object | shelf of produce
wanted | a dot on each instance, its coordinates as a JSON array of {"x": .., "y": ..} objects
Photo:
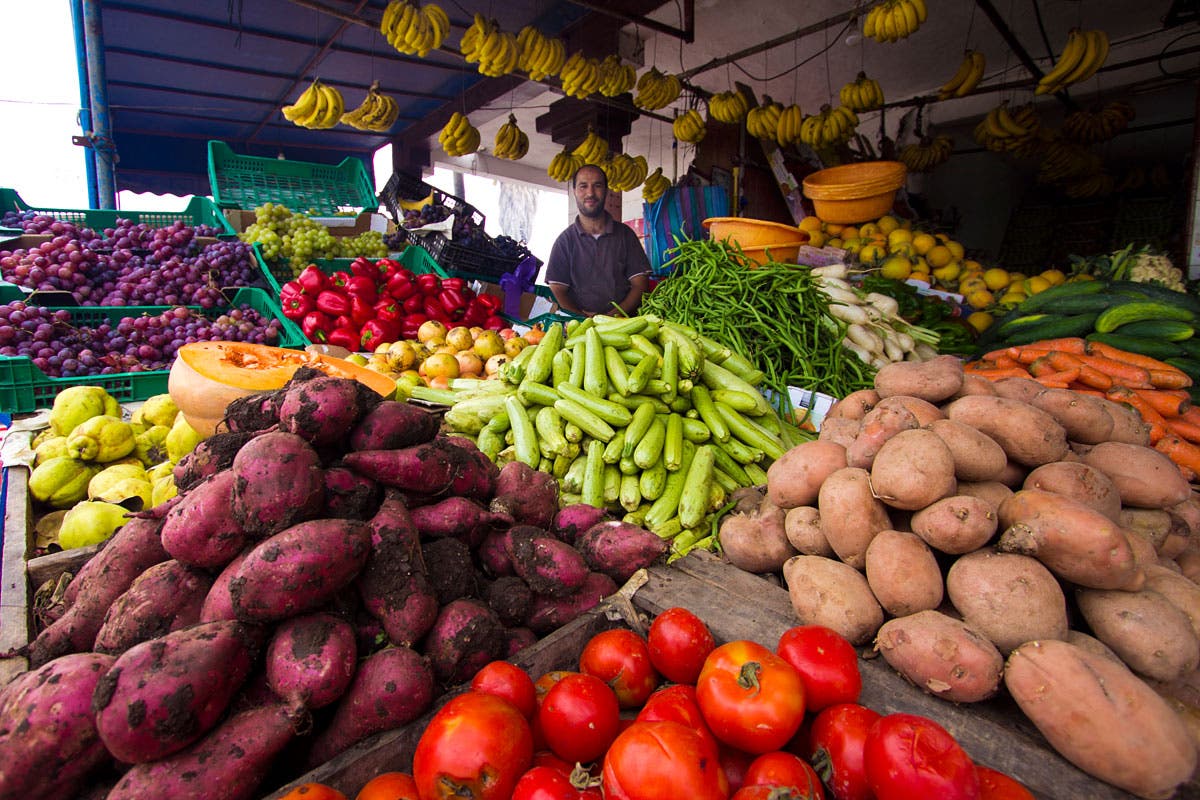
[
  {"x": 277, "y": 273},
  {"x": 198, "y": 211},
  {"x": 242, "y": 181},
  {"x": 25, "y": 388},
  {"x": 741, "y": 605}
]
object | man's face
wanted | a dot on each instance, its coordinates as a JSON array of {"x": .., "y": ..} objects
[{"x": 591, "y": 191}]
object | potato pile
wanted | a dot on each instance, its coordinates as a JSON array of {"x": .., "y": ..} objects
[{"x": 988, "y": 533}]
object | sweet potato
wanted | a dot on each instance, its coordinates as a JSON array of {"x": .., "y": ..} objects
[
  {"x": 466, "y": 635},
  {"x": 550, "y": 566},
  {"x": 311, "y": 660},
  {"x": 166, "y": 597},
  {"x": 517, "y": 639},
  {"x": 1143, "y": 476},
  {"x": 325, "y": 409},
  {"x": 394, "y": 583},
  {"x": 974, "y": 384},
  {"x": 451, "y": 573},
  {"x": 493, "y": 554},
  {"x": 903, "y": 573},
  {"x": 1022, "y": 389},
  {"x": 802, "y": 525},
  {"x": 135, "y": 547},
  {"x": 839, "y": 430},
  {"x": 572, "y": 520},
  {"x": 1150, "y": 634},
  {"x": 925, "y": 411},
  {"x": 277, "y": 482},
  {"x": 393, "y": 424},
  {"x": 944, "y": 656},
  {"x": 1029, "y": 436},
  {"x": 349, "y": 495},
  {"x": 757, "y": 541},
  {"x": 162, "y": 695},
  {"x": 1181, "y": 592},
  {"x": 912, "y": 470},
  {"x": 880, "y": 424},
  {"x": 425, "y": 469},
  {"x": 550, "y": 613},
  {"x": 299, "y": 569},
  {"x": 619, "y": 549},
  {"x": 851, "y": 515},
  {"x": 827, "y": 592},
  {"x": 956, "y": 524},
  {"x": 994, "y": 492},
  {"x": 211, "y": 456},
  {"x": 233, "y": 758},
  {"x": 1128, "y": 425},
  {"x": 460, "y": 518},
  {"x": 854, "y": 405},
  {"x": 1011, "y": 599},
  {"x": 1074, "y": 540},
  {"x": 200, "y": 531},
  {"x": 795, "y": 478},
  {"x": 511, "y": 599},
  {"x": 932, "y": 380},
  {"x": 391, "y": 688},
  {"x": 1077, "y": 480},
  {"x": 1101, "y": 717},
  {"x": 527, "y": 495},
  {"x": 976, "y": 455},
  {"x": 218, "y": 603},
  {"x": 1082, "y": 416},
  {"x": 475, "y": 474},
  {"x": 48, "y": 737}
]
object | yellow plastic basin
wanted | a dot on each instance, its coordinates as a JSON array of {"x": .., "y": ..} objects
[
  {"x": 854, "y": 193},
  {"x": 752, "y": 233}
]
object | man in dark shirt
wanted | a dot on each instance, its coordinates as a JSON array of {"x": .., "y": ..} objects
[{"x": 597, "y": 263}]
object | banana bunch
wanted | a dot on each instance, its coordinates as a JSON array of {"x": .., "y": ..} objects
[
  {"x": 495, "y": 51},
  {"x": 1099, "y": 185},
  {"x": 511, "y": 142},
  {"x": 970, "y": 72},
  {"x": 616, "y": 78},
  {"x": 580, "y": 76},
  {"x": 929, "y": 153},
  {"x": 1083, "y": 54},
  {"x": 1003, "y": 130},
  {"x": 377, "y": 112},
  {"x": 1066, "y": 162},
  {"x": 831, "y": 127},
  {"x": 564, "y": 164},
  {"x": 787, "y": 128},
  {"x": 459, "y": 137},
  {"x": 624, "y": 172},
  {"x": 729, "y": 107},
  {"x": 763, "y": 121},
  {"x": 592, "y": 149},
  {"x": 864, "y": 94},
  {"x": 413, "y": 30},
  {"x": 655, "y": 186},
  {"x": 893, "y": 20},
  {"x": 656, "y": 90},
  {"x": 319, "y": 107},
  {"x": 1090, "y": 127},
  {"x": 540, "y": 57},
  {"x": 689, "y": 127}
]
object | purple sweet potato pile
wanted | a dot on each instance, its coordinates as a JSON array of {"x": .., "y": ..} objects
[{"x": 331, "y": 554}]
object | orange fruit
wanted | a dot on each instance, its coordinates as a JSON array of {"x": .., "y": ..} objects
[
  {"x": 430, "y": 330},
  {"x": 389, "y": 786}
]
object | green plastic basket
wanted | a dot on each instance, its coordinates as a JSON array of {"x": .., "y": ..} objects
[
  {"x": 304, "y": 187},
  {"x": 24, "y": 388},
  {"x": 198, "y": 211},
  {"x": 413, "y": 257}
]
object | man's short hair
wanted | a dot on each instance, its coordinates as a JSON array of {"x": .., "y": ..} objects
[{"x": 597, "y": 167}]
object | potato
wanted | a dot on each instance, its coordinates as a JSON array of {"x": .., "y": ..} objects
[
  {"x": 1143, "y": 551},
  {"x": 1029, "y": 436},
  {"x": 1101, "y": 717},
  {"x": 756, "y": 542},
  {"x": 1143, "y": 476},
  {"x": 1080, "y": 482},
  {"x": 956, "y": 524},
  {"x": 1013, "y": 475},
  {"x": 1083, "y": 417},
  {"x": 839, "y": 430},
  {"x": 1092, "y": 645},
  {"x": 795, "y": 478},
  {"x": 932, "y": 380},
  {"x": 912, "y": 470},
  {"x": 1152, "y": 524},
  {"x": 1173, "y": 546},
  {"x": 974, "y": 384},
  {"x": 1189, "y": 561},
  {"x": 880, "y": 424},
  {"x": 1075, "y": 541},
  {"x": 1189, "y": 512},
  {"x": 854, "y": 405},
  {"x": 925, "y": 411},
  {"x": 1128, "y": 425},
  {"x": 1180, "y": 592},
  {"x": 977, "y": 457},
  {"x": 827, "y": 592},
  {"x": 850, "y": 514},
  {"x": 946, "y": 657},
  {"x": 1011, "y": 599},
  {"x": 1023, "y": 389},
  {"x": 803, "y": 528},
  {"x": 1145, "y": 629},
  {"x": 994, "y": 492},
  {"x": 903, "y": 573}
]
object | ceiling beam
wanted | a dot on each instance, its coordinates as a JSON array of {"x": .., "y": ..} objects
[
  {"x": 799, "y": 33},
  {"x": 687, "y": 33},
  {"x": 993, "y": 14}
]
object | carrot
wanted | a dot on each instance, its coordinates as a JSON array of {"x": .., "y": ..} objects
[
  {"x": 1136, "y": 359},
  {"x": 1165, "y": 404},
  {"x": 1120, "y": 372},
  {"x": 1086, "y": 373},
  {"x": 1067, "y": 344},
  {"x": 1156, "y": 421},
  {"x": 1042, "y": 366},
  {"x": 1191, "y": 414},
  {"x": 1183, "y": 453},
  {"x": 1169, "y": 379},
  {"x": 1083, "y": 388},
  {"x": 1183, "y": 428},
  {"x": 1058, "y": 380}
]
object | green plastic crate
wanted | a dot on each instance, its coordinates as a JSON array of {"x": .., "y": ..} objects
[
  {"x": 304, "y": 187},
  {"x": 198, "y": 211},
  {"x": 24, "y": 388},
  {"x": 413, "y": 257}
]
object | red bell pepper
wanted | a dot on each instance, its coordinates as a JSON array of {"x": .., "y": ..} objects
[
  {"x": 377, "y": 332},
  {"x": 451, "y": 299},
  {"x": 361, "y": 311},
  {"x": 362, "y": 267},
  {"x": 297, "y": 306},
  {"x": 343, "y": 321},
  {"x": 433, "y": 308},
  {"x": 290, "y": 289},
  {"x": 411, "y": 324},
  {"x": 389, "y": 311},
  {"x": 364, "y": 287},
  {"x": 400, "y": 286},
  {"x": 340, "y": 279},
  {"x": 333, "y": 302},
  {"x": 428, "y": 284},
  {"x": 491, "y": 301},
  {"x": 474, "y": 315},
  {"x": 454, "y": 283},
  {"x": 316, "y": 326},
  {"x": 413, "y": 303},
  {"x": 347, "y": 337},
  {"x": 312, "y": 279},
  {"x": 494, "y": 323}
]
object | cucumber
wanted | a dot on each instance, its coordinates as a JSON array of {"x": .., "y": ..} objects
[
  {"x": 1172, "y": 330},
  {"x": 1021, "y": 323},
  {"x": 1190, "y": 347},
  {"x": 1085, "y": 303},
  {"x": 1188, "y": 364},
  {"x": 1162, "y": 293},
  {"x": 1049, "y": 298},
  {"x": 1054, "y": 327},
  {"x": 1115, "y": 317},
  {"x": 1146, "y": 347}
]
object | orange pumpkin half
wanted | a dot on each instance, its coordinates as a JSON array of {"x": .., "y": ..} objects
[{"x": 207, "y": 376}]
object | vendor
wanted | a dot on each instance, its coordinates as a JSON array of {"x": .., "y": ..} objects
[{"x": 597, "y": 264}]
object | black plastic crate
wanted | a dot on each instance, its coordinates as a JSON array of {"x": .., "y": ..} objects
[
  {"x": 403, "y": 186},
  {"x": 460, "y": 260}
]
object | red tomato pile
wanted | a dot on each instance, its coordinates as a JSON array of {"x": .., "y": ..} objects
[{"x": 738, "y": 721}]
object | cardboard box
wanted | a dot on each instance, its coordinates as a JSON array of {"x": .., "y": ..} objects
[{"x": 532, "y": 304}]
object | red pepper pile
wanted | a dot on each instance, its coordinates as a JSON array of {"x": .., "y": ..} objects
[{"x": 381, "y": 301}]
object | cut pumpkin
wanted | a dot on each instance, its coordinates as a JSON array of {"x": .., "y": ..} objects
[{"x": 207, "y": 376}]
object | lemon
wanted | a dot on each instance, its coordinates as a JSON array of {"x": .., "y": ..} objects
[
  {"x": 923, "y": 243},
  {"x": 887, "y": 223},
  {"x": 901, "y": 249},
  {"x": 980, "y": 298},
  {"x": 1055, "y": 276},
  {"x": 833, "y": 229},
  {"x": 899, "y": 236},
  {"x": 973, "y": 265},
  {"x": 871, "y": 253},
  {"x": 970, "y": 284},
  {"x": 853, "y": 245},
  {"x": 850, "y": 232},
  {"x": 810, "y": 224},
  {"x": 1013, "y": 297},
  {"x": 1016, "y": 277},
  {"x": 816, "y": 238},
  {"x": 868, "y": 230},
  {"x": 996, "y": 278},
  {"x": 980, "y": 321},
  {"x": 1035, "y": 284},
  {"x": 949, "y": 273},
  {"x": 956, "y": 248},
  {"x": 835, "y": 242},
  {"x": 941, "y": 237},
  {"x": 897, "y": 268},
  {"x": 939, "y": 256}
]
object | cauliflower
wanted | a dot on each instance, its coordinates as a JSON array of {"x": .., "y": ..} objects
[{"x": 1154, "y": 268}]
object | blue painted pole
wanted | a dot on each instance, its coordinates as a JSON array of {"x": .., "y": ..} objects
[
  {"x": 85, "y": 105},
  {"x": 102, "y": 143}
]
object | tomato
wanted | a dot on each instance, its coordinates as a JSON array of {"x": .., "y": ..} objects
[
  {"x": 544, "y": 758},
  {"x": 478, "y": 744},
  {"x": 909, "y": 757},
  {"x": 678, "y": 642},
  {"x": 826, "y": 661},
  {"x": 778, "y": 768},
  {"x": 544, "y": 783},
  {"x": 579, "y": 717},
  {"x": 509, "y": 681},
  {"x": 763, "y": 792},
  {"x": 389, "y": 786},
  {"x": 675, "y": 703},
  {"x": 547, "y": 680},
  {"x": 314, "y": 791},
  {"x": 838, "y": 735},
  {"x": 750, "y": 697},
  {"x": 653, "y": 760},
  {"x": 995, "y": 785},
  {"x": 621, "y": 659}
]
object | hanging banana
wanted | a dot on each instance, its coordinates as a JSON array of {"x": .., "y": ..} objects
[
  {"x": 893, "y": 20},
  {"x": 929, "y": 153},
  {"x": 625, "y": 172},
  {"x": 763, "y": 121},
  {"x": 615, "y": 78},
  {"x": 1004, "y": 130},
  {"x": 655, "y": 186},
  {"x": 512, "y": 143},
  {"x": 656, "y": 90},
  {"x": 540, "y": 57},
  {"x": 412, "y": 29},
  {"x": 1098, "y": 125},
  {"x": 689, "y": 127},
  {"x": 459, "y": 137},
  {"x": 787, "y": 129},
  {"x": 730, "y": 107},
  {"x": 564, "y": 165},
  {"x": 580, "y": 76},
  {"x": 829, "y": 128},
  {"x": 964, "y": 81},
  {"x": 592, "y": 149},
  {"x": 863, "y": 94},
  {"x": 377, "y": 112},
  {"x": 319, "y": 107},
  {"x": 1084, "y": 53}
]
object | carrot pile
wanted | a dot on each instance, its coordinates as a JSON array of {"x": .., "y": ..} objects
[{"x": 1157, "y": 390}]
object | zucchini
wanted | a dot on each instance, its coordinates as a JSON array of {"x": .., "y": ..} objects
[
  {"x": 1054, "y": 327},
  {"x": 1050, "y": 297},
  {"x": 1171, "y": 330},
  {"x": 1115, "y": 317},
  {"x": 1146, "y": 347}
]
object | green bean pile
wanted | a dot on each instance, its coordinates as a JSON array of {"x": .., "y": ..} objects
[{"x": 773, "y": 314}]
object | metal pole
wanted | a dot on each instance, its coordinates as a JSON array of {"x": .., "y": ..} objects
[
  {"x": 85, "y": 111},
  {"x": 101, "y": 136}
]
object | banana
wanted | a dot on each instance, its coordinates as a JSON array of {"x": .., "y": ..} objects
[
  {"x": 910, "y": 18},
  {"x": 305, "y": 104},
  {"x": 1072, "y": 54},
  {"x": 689, "y": 127},
  {"x": 1086, "y": 64},
  {"x": 655, "y": 186},
  {"x": 440, "y": 21},
  {"x": 1007, "y": 123}
]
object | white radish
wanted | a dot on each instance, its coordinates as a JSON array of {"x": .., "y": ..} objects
[{"x": 855, "y": 315}]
